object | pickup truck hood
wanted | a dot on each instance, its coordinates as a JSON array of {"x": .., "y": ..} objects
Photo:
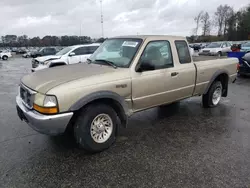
[
  {"x": 44, "y": 80},
  {"x": 48, "y": 57}
]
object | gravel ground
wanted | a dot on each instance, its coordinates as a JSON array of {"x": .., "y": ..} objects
[{"x": 180, "y": 145}]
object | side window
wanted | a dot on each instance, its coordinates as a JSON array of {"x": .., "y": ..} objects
[
  {"x": 51, "y": 50},
  {"x": 81, "y": 51},
  {"x": 183, "y": 51},
  {"x": 92, "y": 49},
  {"x": 157, "y": 55}
]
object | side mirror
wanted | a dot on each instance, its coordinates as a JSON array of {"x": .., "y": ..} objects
[
  {"x": 144, "y": 66},
  {"x": 72, "y": 54}
]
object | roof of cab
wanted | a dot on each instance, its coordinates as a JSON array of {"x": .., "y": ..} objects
[
  {"x": 82, "y": 45},
  {"x": 152, "y": 37}
]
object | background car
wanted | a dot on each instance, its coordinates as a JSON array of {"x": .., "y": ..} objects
[
  {"x": 244, "y": 67},
  {"x": 216, "y": 48},
  {"x": 196, "y": 47},
  {"x": 44, "y": 52},
  {"x": 28, "y": 54},
  {"x": 69, "y": 55},
  {"x": 245, "y": 47},
  {"x": 4, "y": 55}
]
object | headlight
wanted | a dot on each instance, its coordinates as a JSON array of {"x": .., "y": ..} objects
[
  {"x": 50, "y": 101},
  {"x": 46, "y": 62},
  {"x": 45, "y": 104}
]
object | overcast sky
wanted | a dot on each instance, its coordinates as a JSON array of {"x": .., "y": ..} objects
[{"x": 121, "y": 17}]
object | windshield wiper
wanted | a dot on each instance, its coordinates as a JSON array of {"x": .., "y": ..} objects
[{"x": 107, "y": 62}]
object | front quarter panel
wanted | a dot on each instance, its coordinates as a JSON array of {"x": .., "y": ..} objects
[{"x": 70, "y": 93}]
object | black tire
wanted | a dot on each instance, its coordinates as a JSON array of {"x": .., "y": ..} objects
[
  {"x": 5, "y": 57},
  {"x": 82, "y": 127},
  {"x": 219, "y": 54},
  {"x": 207, "y": 99}
]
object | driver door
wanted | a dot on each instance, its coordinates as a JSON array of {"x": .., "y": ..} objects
[
  {"x": 149, "y": 87},
  {"x": 77, "y": 57}
]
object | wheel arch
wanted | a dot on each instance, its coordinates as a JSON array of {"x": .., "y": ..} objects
[
  {"x": 223, "y": 77},
  {"x": 106, "y": 97},
  {"x": 4, "y": 57}
]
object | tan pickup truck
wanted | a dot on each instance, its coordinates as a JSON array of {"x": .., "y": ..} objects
[{"x": 125, "y": 75}]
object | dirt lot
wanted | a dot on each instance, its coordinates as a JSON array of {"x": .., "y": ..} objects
[{"x": 180, "y": 145}]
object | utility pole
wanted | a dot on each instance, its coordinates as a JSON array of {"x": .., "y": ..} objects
[{"x": 102, "y": 20}]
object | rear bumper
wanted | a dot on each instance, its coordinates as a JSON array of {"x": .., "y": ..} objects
[{"x": 45, "y": 124}]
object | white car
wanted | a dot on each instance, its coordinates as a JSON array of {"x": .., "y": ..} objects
[
  {"x": 191, "y": 50},
  {"x": 69, "y": 55},
  {"x": 216, "y": 48},
  {"x": 5, "y": 55}
]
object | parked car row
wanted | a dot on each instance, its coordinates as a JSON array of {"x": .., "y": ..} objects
[{"x": 216, "y": 49}]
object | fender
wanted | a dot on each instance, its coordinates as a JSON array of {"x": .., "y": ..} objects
[
  {"x": 215, "y": 75},
  {"x": 120, "y": 103}
]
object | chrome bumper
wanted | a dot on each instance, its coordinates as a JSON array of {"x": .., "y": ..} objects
[{"x": 46, "y": 124}]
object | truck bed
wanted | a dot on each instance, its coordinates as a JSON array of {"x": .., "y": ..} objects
[
  {"x": 205, "y": 58},
  {"x": 207, "y": 69}
]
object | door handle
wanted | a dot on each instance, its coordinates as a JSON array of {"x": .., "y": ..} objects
[{"x": 174, "y": 73}]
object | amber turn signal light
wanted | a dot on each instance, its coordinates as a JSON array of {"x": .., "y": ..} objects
[{"x": 45, "y": 110}]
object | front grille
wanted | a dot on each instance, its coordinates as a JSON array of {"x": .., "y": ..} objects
[
  {"x": 35, "y": 63},
  {"x": 27, "y": 96}
]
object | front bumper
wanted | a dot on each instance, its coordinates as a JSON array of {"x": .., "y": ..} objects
[
  {"x": 45, "y": 124},
  {"x": 39, "y": 67}
]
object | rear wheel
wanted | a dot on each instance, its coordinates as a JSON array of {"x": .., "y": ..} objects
[
  {"x": 213, "y": 96},
  {"x": 95, "y": 127},
  {"x": 5, "y": 57}
]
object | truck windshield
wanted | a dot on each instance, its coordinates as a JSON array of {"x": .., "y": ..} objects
[
  {"x": 214, "y": 45},
  {"x": 119, "y": 51},
  {"x": 64, "y": 50}
]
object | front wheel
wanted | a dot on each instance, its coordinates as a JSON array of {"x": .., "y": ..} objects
[
  {"x": 219, "y": 54},
  {"x": 5, "y": 57},
  {"x": 95, "y": 127},
  {"x": 213, "y": 96}
]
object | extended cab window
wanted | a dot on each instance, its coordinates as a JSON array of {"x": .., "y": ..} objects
[
  {"x": 183, "y": 52},
  {"x": 157, "y": 55},
  {"x": 81, "y": 51}
]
